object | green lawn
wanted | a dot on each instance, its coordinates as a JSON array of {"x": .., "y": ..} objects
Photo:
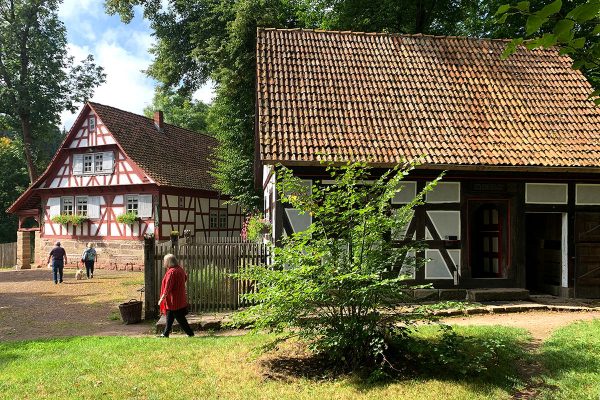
[
  {"x": 227, "y": 368},
  {"x": 210, "y": 368},
  {"x": 572, "y": 359}
]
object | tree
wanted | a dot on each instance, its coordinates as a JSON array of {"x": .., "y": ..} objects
[
  {"x": 179, "y": 109},
  {"x": 14, "y": 181},
  {"x": 573, "y": 27},
  {"x": 338, "y": 284},
  {"x": 38, "y": 79},
  {"x": 216, "y": 39}
]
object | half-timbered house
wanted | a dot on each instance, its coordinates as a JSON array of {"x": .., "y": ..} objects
[
  {"x": 519, "y": 206},
  {"x": 114, "y": 162}
]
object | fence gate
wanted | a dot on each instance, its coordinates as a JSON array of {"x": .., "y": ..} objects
[
  {"x": 209, "y": 265},
  {"x": 8, "y": 254}
]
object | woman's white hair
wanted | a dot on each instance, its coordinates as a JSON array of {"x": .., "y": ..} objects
[{"x": 170, "y": 260}]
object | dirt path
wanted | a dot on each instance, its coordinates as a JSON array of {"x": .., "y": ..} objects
[
  {"x": 33, "y": 307},
  {"x": 541, "y": 324}
]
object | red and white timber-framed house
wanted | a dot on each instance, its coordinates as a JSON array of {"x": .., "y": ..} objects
[{"x": 113, "y": 162}]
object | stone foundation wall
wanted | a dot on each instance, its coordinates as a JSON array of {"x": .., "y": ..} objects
[{"x": 112, "y": 254}]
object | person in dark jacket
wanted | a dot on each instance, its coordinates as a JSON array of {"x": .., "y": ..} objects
[
  {"x": 58, "y": 255},
  {"x": 89, "y": 258},
  {"x": 173, "y": 300}
]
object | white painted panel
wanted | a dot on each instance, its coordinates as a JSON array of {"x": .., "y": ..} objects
[
  {"x": 54, "y": 204},
  {"x": 83, "y": 143},
  {"x": 47, "y": 229},
  {"x": 204, "y": 205},
  {"x": 109, "y": 140},
  {"x": 135, "y": 179},
  {"x": 400, "y": 234},
  {"x": 77, "y": 164},
  {"x": 86, "y": 180},
  {"x": 587, "y": 194},
  {"x": 145, "y": 205},
  {"x": 436, "y": 268},
  {"x": 408, "y": 268},
  {"x": 407, "y": 193},
  {"x": 546, "y": 193},
  {"x": 126, "y": 166},
  {"x": 118, "y": 199},
  {"x": 93, "y": 228},
  {"x": 94, "y": 207},
  {"x": 447, "y": 223},
  {"x": 299, "y": 222},
  {"x": 150, "y": 228},
  {"x": 444, "y": 192}
]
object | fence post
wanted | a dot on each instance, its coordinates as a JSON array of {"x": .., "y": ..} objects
[{"x": 149, "y": 280}]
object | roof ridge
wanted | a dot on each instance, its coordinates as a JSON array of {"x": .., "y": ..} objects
[
  {"x": 92, "y": 103},
  {"x": 387, "y": 34}
]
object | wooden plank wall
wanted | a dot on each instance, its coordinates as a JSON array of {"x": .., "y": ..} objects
[
  {"x": 209, "y": 264},
  {"x": 8, "y": 254}
]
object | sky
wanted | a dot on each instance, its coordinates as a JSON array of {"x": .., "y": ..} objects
[{"x": 121, "y": 49}]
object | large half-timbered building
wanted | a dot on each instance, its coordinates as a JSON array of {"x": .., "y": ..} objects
[
  {"x": 519, "y": 206},
  {"x": 114, "y": 162}
]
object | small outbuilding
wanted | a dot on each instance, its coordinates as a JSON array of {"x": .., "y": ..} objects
[{"x": 519, "y": 138}]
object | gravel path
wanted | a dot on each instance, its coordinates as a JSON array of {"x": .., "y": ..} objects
[{"x": 33, "y": 307}]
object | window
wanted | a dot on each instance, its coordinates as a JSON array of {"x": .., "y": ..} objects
[
  {"x": 93, "y": 163},
  {"x": 132, "y": 205},
  {"x": 66, "y": 205},
  {"x": 92, "y": 124},
  {"x": 223, "y": 219},
  {"x": 214, "y": 219},
  {"x": 81, "y": 206},
  {"x": 546, "y": 193},
  {"x": 88, "y": 165},
  {"x": 98, "y": 160}
]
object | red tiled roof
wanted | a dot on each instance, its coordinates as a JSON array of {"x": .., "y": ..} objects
[
  {"x": 172, "y": 157},
  {"x": 384, "y": 98}
]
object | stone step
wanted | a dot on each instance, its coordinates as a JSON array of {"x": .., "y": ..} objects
[{"x": 497, "y": 294}]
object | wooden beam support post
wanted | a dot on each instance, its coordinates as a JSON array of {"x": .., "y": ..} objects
[{"x": 150, "y": 277}]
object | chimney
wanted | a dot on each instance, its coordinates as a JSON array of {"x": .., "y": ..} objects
[{"x": 158, "y": 120}]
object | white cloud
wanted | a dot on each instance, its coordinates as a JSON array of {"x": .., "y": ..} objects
[
  {"x": 70, "y": 9},
  {"x": 206, "y": 93}
]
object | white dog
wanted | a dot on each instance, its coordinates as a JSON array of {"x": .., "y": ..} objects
[{"x": 79, "y": 274}]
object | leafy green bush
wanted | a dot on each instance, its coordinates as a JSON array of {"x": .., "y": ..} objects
[
  {"x": 65, "y": 219},
  {"x": 337, "y": 284},
  {"x": 256, "y": 227},
  {"x": 128, "y": 218}
]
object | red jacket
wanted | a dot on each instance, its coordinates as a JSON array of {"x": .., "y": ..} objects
[{"x": 173, "y": 287}]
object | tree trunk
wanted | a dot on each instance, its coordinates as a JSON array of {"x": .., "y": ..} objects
[{"x": 28, "y": 146}]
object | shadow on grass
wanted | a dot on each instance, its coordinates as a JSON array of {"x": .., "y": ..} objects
[{"x": 482, "y": 359}]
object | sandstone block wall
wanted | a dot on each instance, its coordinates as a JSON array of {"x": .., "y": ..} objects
[{"x": 112, "y": 254}]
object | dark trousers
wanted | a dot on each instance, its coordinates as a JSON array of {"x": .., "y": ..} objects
[
  {"x": 57, "y": 270},
  {"x": 178, "y": 315},
  {"x": 89, "y": 267}
]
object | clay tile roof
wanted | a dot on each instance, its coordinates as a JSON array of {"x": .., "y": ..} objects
[
  {"x": 384, "y": 98},
  {"x": 174, "y": 157}
]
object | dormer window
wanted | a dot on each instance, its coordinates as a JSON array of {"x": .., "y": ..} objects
[
  {"x": 92, "y": 124},
  {"x": 93, "y": 163}
]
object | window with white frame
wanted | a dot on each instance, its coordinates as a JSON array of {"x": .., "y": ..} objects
[
  {"x": 81, "y": 206},
  {"x": 133, "y": 204},
  {"x": 92, "y": 124},
  {"x": 66, "y": 205},
  {"x": 214, "y": 219},
  {"x": 88, "y": 163},
  {"x": 223, "y": 219},
  {"x": 98, "y": 162}
]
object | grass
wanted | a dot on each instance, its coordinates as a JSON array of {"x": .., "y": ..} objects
[
  {"x": 213, "y": 368},
  {"x": 572, "y": 361}
]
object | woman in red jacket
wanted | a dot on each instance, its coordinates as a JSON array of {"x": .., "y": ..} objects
[{"x": 173, "y": 301}]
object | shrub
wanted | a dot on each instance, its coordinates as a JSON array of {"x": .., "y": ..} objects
[
  {"x": 256, "y": 227},
  {"x": 128, "y": 218},
  {"x": 65, "y": 219},
  {"x": 337, "y": 284}
]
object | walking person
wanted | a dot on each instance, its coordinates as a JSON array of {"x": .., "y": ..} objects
[
  {"x": 89, "y": 258},
  {"x": 58, "y": 255},
  {"x": 173, "y": 301}
]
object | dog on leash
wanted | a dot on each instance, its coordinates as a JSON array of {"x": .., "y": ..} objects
[{"x": 79, "y": 274}]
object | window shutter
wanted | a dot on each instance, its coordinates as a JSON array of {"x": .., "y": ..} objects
[
  {"x": 93, "y": 205},
  {"x": 78, "y": 164},
  {"x": 108, "y": 159},
  {"x": 54, "y": 204},
  {"x": 145, "y": 206}
]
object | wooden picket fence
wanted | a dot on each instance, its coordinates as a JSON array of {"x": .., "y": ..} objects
[
  {"x": 209, "y": 265},
  {"x": 8, "y": 254}
]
